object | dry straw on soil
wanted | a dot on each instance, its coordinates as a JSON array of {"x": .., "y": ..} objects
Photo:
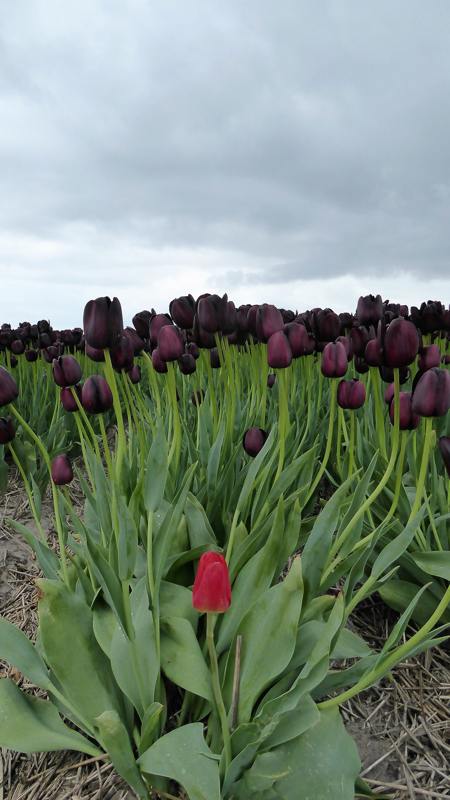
[{"x": 401, "y": 726}]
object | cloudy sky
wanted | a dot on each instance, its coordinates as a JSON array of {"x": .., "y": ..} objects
[{"x": 290, "y": 152}]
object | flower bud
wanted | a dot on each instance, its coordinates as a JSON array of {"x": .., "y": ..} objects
[
  {"x": 141, "y": 322},
  {"x": 187, "y": 364},
  {"x": 158, "y": 364},
  {"x": 269, "y": 320},
  {"x": 66, "y": 371},
  {"x": 61, "y": 470},
  {"x": 210, "y": 309},
  {"x": 334, "y": 360},
  {"x": 158, "y": 322},
  {"x": 389, "y": 393},
  {"x": 345, "y": 340},
  {"x": 7, "y": 431},
  {"x": 94, "y": 353},
  {"x": 50, "y": 353},
  {"x": 137, "y": 344},
  {"x": 444, "y": 447},
  {"x": 193, "y": 349},
  {"x": 182, "y": 310},
  {"x": 212, "y": 590},
  {"x": 299, "y": 339},
  {"x": 431, "y": 397},
  {"x": 351, "y": 394},
  {"x": 17, "y": 347},
  {"x": 361, "y": 365},
  {"x": 271, "y": 378},
  {"x": 31, "y": 355},
  {"x": 359, "y": 337},
  {"x": 134, "y": 373},
  {"x": 401, "y": 343},
  {"x": 96, "y": 396},
  {"x": 68, "y": 401},
  {"x": 103, "y": 322},
  {"x": 253, "y": 441},
  {"x": 429, "y": 356},
  {"x": 214, "y": 358},
  {"x": 408, "y": 419},
  {"x": 279, "y": 353},
  {"x": 170, "y": 343},
  {"x": 8, "y": 388}
]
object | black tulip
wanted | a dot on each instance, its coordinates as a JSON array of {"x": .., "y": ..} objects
[
  {"x": 408, "y": 419},
  {"x": 103, "y": 322},
  {"x": 66, "y": 371},
  {"x": 182, "y": 310},
  {"x": 370, "y": 309},
  {"x": 334, "y": 360},
  {"x": 61, "y": 470},
  {"x": 187, "y": 364},
  {"x": 254, "y": 440},
  {"x": 431, "y": 396},
  {"x": 68, "y": 401},
  {"x": 279, "y": 353},
  {"x": 401, "y": 343},
  {"x": 96, "y": 396},
  {"x": 170, "y": 343},
  {"x": 8, "y": 388}
]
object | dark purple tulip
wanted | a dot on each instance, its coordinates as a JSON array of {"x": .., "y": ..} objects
[
  {"x": 43, "y": 326},
  {"x": 182, "y": 310},
  {"x": 408, "y": 419},
  {"x": 429, "y": 317},
  {"x": 253, "y": 441},
  {"x": 141, "y": 322},
  {"x": 346, "y": 321},
  {"x": 299, "y": 339},
  {"x": 269, "y": 320},
  {"x": 197, "y": 397},
  {"x": 68, "y": 401},
  {"x": 103, "y": 322},
  {"x": 351, "y": 394},
  {"x": 252, "y": 314},
  {"x": 66, "y": 371},
  {"x": 444, "y": 447},
  {"x": 373, "y": 353},
  {"x": 50, "y": 353},
  {"x": 7, "y": 431},
  {"x": 202, "y": 337},
  {"x": 401, "y": 343},
  {"x": 446, "y": 360},
  {"x": 359, "y": 336},
  {"x": 193, "y": 349},
  {"x": 134, "y": 373},
  {"x": 17, "y": 347},
  {"x": 369, "y": 310},
  {"x": 334, "y": 360},
  {"x": 361, "y": 365},
  {"x": 170, "y": 343},
  {"x": 137, "y": 344},
  {"x": 431, "y": 397},
  {"x": 187, "y": 364},
  {"x": 389, "y": 393},
  {"x": 122, "y": 354},
  {"x": 31, "y": 355},
  {"x": 94, "y": 353},
  {"x": 271, "y": 378},
  {"x": 210, "y": 311},
  {"x": 279, "y": 353},
  {"x": 214, "y": 358},
  {"x": 387, "y": 374},
  {"x": 158, "y": 322},
  {"x": 158, "y": 364},
  {"x": 241, "y": 318},
  {"x": 61, "y": 469},
  {"x": 429, "y": 356},
  {"x": 327, "y": 325},
  {"x": 13, "y": 361},
  {"x": 8, "y": 388},
  {"x": 229, "y": 318},
  {"x": 96, "y": 396},
  {"x": 345, "y": 340}
]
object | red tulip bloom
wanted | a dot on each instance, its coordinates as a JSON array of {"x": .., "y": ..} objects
[{"x": 212, "y": 590}]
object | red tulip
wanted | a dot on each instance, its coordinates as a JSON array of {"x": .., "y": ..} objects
[{"x": 212, "y": 589}]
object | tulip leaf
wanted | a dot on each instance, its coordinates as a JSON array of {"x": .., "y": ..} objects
[
  {"x": 399, "y": 593},
  {"x": 434, "y": 562},
  {"x": 149, "y": 723},
  {"x": 349, "y": 645},
  {"x": 322, "y": 763},
  {"x": 169, "y": 526},
  {"x": 17, "y": 650},
  {"x": 267, "y": 648},
  {"x": 156, "y": 471},
  {"x": 200, "y": 531},
  {"x": 116, "y": 740},
  {"x": 214, "y": 457},
  {"x": 391, "y": 552},
  {"x": 32, "y": 725},
  {"x": 47, "y": 559},
  {"x": 182, "y": 659},
  {"x": 72, "y": 651},
  {"x": 176, "y": 601},
  {"x": 183, "y": 756}
]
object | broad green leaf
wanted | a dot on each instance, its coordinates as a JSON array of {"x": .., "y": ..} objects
[
  {"x": 176, "y": 601},
  {"x": 17, "y": 650},
  {"x": 200, "y": 531},
  {"x": 72, "y": 651},
  {"x": 31, "y": 725},
  {"x": 182, "y": 659},
  {"x": 183, "y": 756},
  {"x": 399, "y": 593},
  {"x": 434, "y": 562},
  {"x": 156, "y": 471},
  {"x": 268, "y": 645},
  {"x": 349, "y": 645},
  {"x": 116, "y": 740},
  {"x": 47, "y": 559},
  {"x": 214, "y": 458},
  {"x": 149, "y": 724},
  {"x": 391, "y": 552},
  {"x": 321, "y": 764},
  {"x": 104, "y": 624}
]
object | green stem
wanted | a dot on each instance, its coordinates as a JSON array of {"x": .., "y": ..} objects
[
  {"x": 86, "y": 422},
  {"x": 351, "y": 448},
  {"x": 220, "y": 707},
  {"x": 121, "y": 441},
  {"x": 423, "y": 467},
  {"x": 29, "y": 492},
  {"x": 59, "y": 531},
  {"x": 33, "y": 436},
  {"x": 379, "y": 419},
  {"x": 315, "y": 483},
  {"x": 283, "y": 420}
]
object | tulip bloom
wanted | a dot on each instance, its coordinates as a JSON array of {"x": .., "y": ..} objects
[
  {"x": 134, "y": 373},
  {"x": 279, "y": 353},
  {"x": 212, "y": 589},
  {"x": 66, "y": 371},
  {"x": 182, "y": 310},
  {"x": 253, "y": 441},
  {"x": 351, "y": 394},
  {"x": 408, "y": 419},
  {"x": 68, "y": 401},
  {"x": 170, "y": 343},
  {"x": 122, "y": 354},
  {"x": 187, "y": 364},
  {"x": 334, "y": 360},
  {"x": 369, "y": 310},
  {"x": 431, "y": 396},
  {"x": 401, "y": 343},
  {"x": 7, "y": 431},
  {"x": 61, "y": 470},
  {"x": 8, "y": 388},
  {"x": 269, "y": 320},
  {"x": 429, "y": 357},
  {"x": 96, "y": 395},
  {"x": 103, "y": 322},
  {"x": 327, "y": 325}
]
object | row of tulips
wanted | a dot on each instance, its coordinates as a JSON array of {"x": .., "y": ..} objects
[{"x": 165, "y": 633}]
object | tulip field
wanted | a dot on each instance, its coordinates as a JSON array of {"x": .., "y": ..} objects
[{"x": 213, "y": 494}]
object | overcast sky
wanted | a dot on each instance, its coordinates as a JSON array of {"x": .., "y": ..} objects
[{"x": 289, "y": 152}]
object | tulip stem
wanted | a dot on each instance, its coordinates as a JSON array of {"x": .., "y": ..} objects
[
  {"x": 423, "y": 467},
  {"x": 323, "y": 466},
  {"x": 283, "y": 420},
  {"x": 81, "y": 434},
  {"x": 176, "y": 426},
  {"x": 59, "y": 531},
  {"x": 387, "y": 663},
  {"x": 379, "y": 420},
  {"x": 121, "y": 442},
  {"x": 351, "y": 447},
  {"x": 220, "y": 707},
  {"x": 29, "y": 492},
  {"x": 85, "y": 419}
]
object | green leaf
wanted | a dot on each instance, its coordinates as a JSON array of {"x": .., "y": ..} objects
[
  {"x": 434, "y": 562},
  {"x": 47, "y": 559},
  {"x": 72, "y": 651},
  {"x": 149, "y": 724},
  {"x": 176, "y": 601},
  {"x": 116, "y": 740},
  {"x": 349, "y": 645},
  {"x": 182, "y": 659},
  {"x": 322, "y": 764},
  {"x": 214, "y": 458},
  {"x": 391, "y": 552},
  {"x": 183, "y": 756},
  {"x": 268, "y": 645},
  {"x": 16, "y": 649},
  {"x": 200, "y": 531},
  {"x": 156, "y": 471},
  {"x": 31, "y": 725},
  {"x": 399, "y": 593}
]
